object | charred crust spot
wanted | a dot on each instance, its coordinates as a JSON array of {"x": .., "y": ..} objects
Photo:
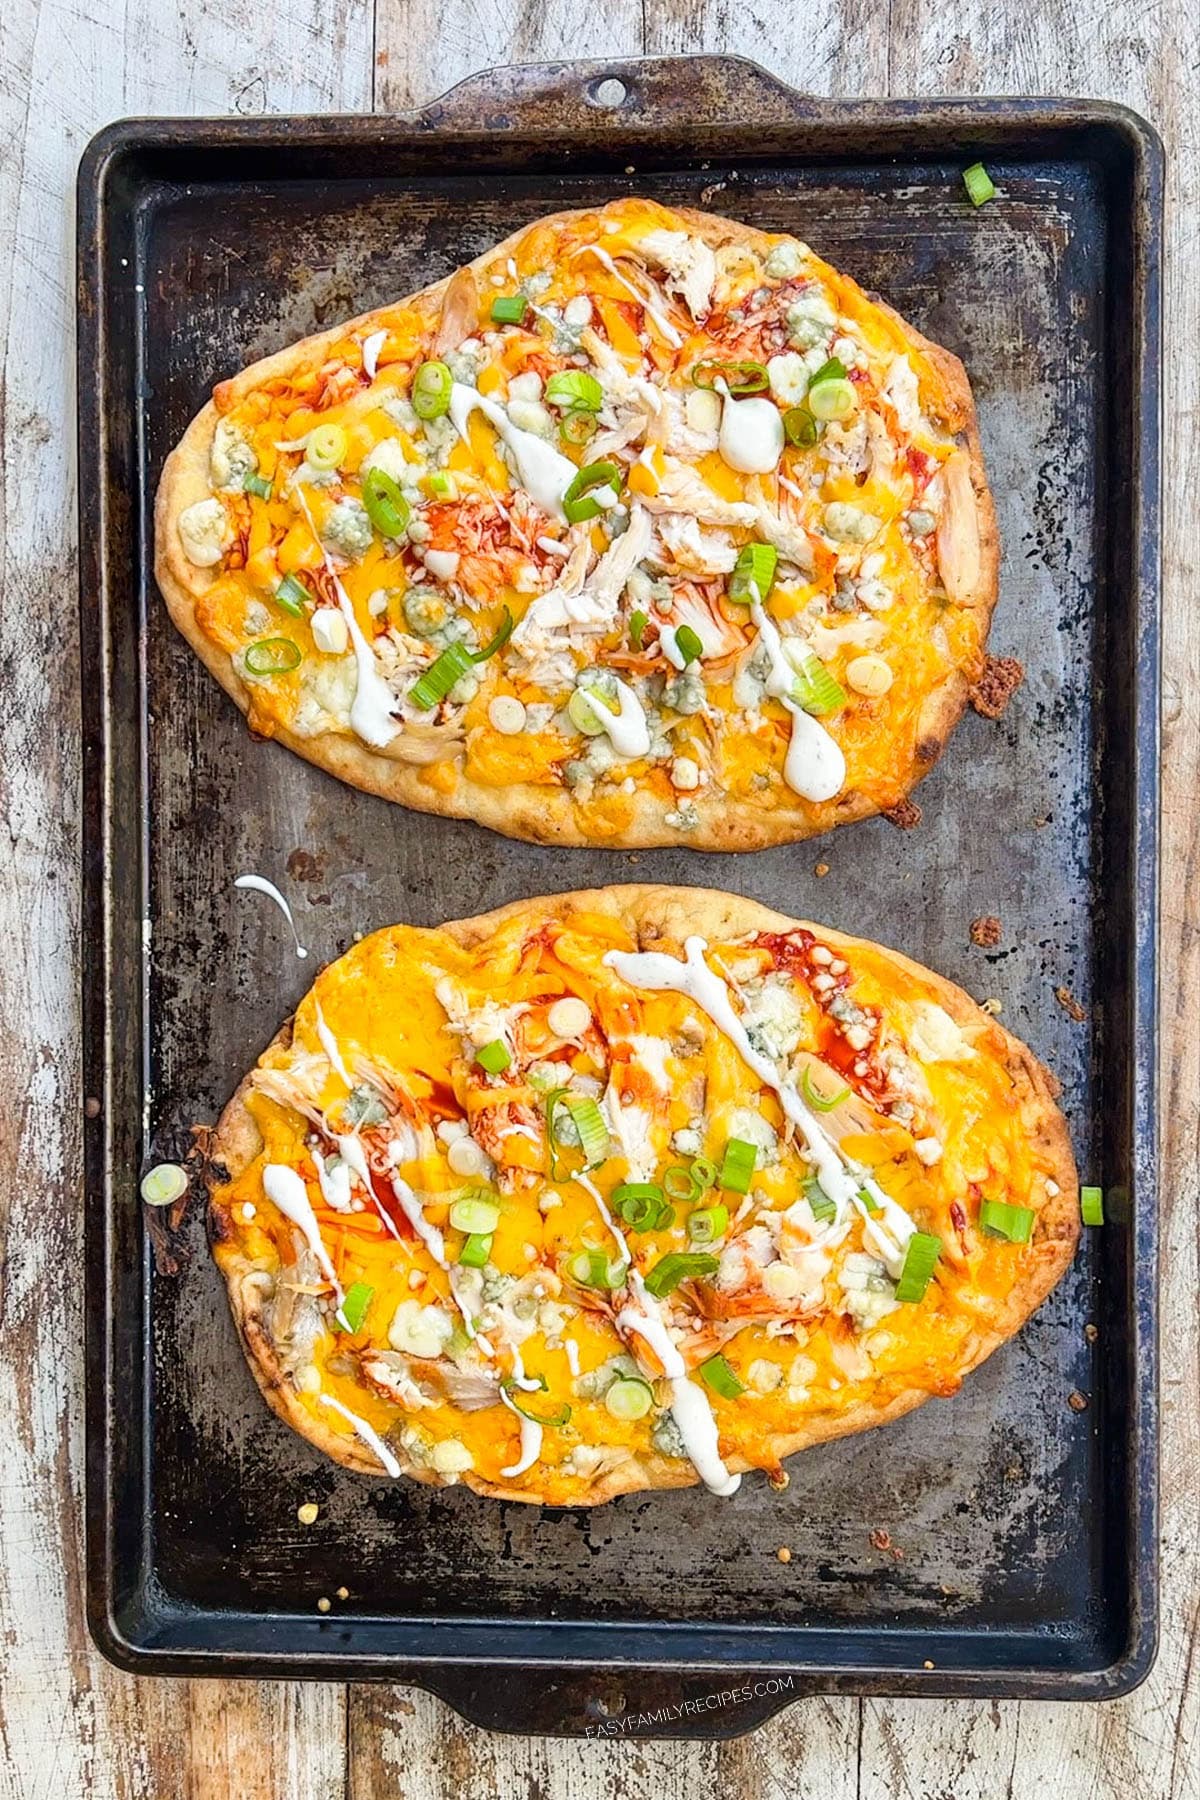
[
  {"x": 986, "y": 931},
  {"x": 904, "y": 816},
  {"x": 1001, "y": 677},
  {"x": 928, "y": 749},
  {"x": 220, "y": 1226}
]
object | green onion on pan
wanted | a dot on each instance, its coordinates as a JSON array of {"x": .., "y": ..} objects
[
  {"x": 577, "y": 426},
  {"x": 979, "y": 185},
  {"x": 721, "y": 1378},
  {"x": 258, "y": 484},
  {"x": 919, "y": 1259},
  {"x": 1012, "y": 1222},
  {"x": 638, "y": 622},
  {"x": 737, "y": 1165},
  {"x": 164, "y": 1184},
  {"x": 739, "y": 377},
  {"x": 1091, "y": 1205},
  {"x": 799, "y": 427},
  {"x": 688, "y": 644},
  {"x": 704, "y": 1171},
  {"x": 832, "y": 399},
  {"x": 443, "y": 673},
  {"x": 497, "y": 642},
  {"x": 753, "y": 574},
  {"x": 681, "y": 1183},
  {"x": 537, "y": 1411}
]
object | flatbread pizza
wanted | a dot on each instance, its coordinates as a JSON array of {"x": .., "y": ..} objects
[
  {"x": 644, "y": 527},
  {"x": 629, "y": 1189}
]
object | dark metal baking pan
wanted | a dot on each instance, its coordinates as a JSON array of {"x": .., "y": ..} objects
[{"x": 999, "y": 1543}]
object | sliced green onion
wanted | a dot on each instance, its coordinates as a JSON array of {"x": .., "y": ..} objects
[
  {"x": 258, "y": 484},
  {"x": 1091, "y": 1205},
  {"x": 721, "y": 1378},
  {"x": 593, "y": 1132},
  {"x": 474, "y": 1213},
  {"x": 634, "y": 1193},
  {"x": 681, "y": 1183},
  {"x": 591, "y": 1268},
  {"x": 1012, "y": 1222},
  {"x": 475, "y": 1250},
  {"x": 529, "y": 1408},
  {"x": 293, "y": 596},
  {"x": 353, "y": 1310},
  {"x": 325, "y": 446},
  {"x": 273, "y": 656},
  {"x": 832, "y": 399},
  {"x": 638, "y": 622},
  {"x": 503, "y": 632},
  {"x": 575, "y": 388},
  {"x": 739, "y": 377},
  {"x": 443, "y": 673},
  {"x": 979, "y": 185},
  {"x": 164, "y": 1184},
  {"x": 815, "y": 688},
  {"x": 509, "y": 309},
  {"x": 737, "y": 1165},
  {"x": 583, "y": 714},
  {"x": 823, "y": 1208},
  {"x": 494, "y": 1057},
  {"x": 387, "y": 509},
  {"x": 753, "y": 574},
  {"x": 431, "y": 390},
  {"x": 799, "y": 427},
  {"x": 629, "y": 1398},
  {"x": 833, "y": 370},
  {"x": 919, "y": 1260},
  {"x": 704, "y": 1171},
  {"x": 688, "y": 644},
  {"x": 821, "y": 1103},
  {"x": 868, "y": 1199},
  {"x": 679, "y": 1265},
  {"x": 579, "y": 502},
  {"x": 707, "y": 1224},
  {"x": 577, "y": 426},
  {"x": 443, "y": 486}
]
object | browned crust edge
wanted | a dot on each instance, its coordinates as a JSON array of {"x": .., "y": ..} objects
[
  {"x": 541, "y": 814},
  {"x": 656, "y": 915}
]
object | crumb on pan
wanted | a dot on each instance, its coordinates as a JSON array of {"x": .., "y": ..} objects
[
  {"x": 905, "y": 816},
  {"x": 307, "y": 1514},
  {"x": 1091, "y": 1333},
  {"x": 1070, "y": 1004},
  {"x": 323, "y": 1605},
  {"x": 1002, "y": 676},
  {"x": 1077, "y": 1401},
  {"x": 784, "y": 1554},
  {"x": 985, "y": 930},
  {"x": 991, "y": 1005},
  {"x": 821, "y": 869}
]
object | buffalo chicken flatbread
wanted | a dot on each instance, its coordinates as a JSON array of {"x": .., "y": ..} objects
[
  {"x": 629, "y": 1189},
  {"x": 646, "y": 527}
]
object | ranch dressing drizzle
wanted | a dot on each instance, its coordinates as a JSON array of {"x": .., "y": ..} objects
[
  {"x": 751, "y": 436},
  {"x": 285, "y": 1189},
  {"x": 261, "y": 885},
  {"x": 370, "y": 353},
  {"x": 330, "y": 1047},
  {"x": 335, "y": 1184},
  {"x": 519, "y": 1378},
  {"x": 627, "y": 728},
  {"x": 815, "y": 767},
  {"x": 651, "y": 969},
  {"x": 371, "y": 713},
  {"x": 689, "y": 1404},
  {"x": 571, "y": 1351},
  {"x": 351, "y": 1151},
  {"x": 367, "y": 1433},
  {"x": 544, "y": 472},
  {"x": 435, "y": 1243},
  {"x": 531, "y": 1440},
  {"x": 664, "y": 325}
]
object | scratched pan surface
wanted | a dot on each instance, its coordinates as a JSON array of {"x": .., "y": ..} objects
[{"x": 1019, "y": 1548}]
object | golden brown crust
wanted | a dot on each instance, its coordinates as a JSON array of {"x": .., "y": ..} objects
[
  {"x": 536, "y": 812},
  {"x": 657, "y": 915}
]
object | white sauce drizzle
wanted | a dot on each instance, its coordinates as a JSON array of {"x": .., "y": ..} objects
[
  {"x": 330, "y": 1047},
  {"x": 335, "y": 1184},
  {"x": 627, "y": 728},
  {"x": 351, "y": 1151},
  {"x": 689, "y": 1405},
  {"x": 435, "y": 1243},
  {"x": 571, "y": 1348},
  {"x": 370, "y": 353},
  {"x": 664, "y": 325},
  {"x": 371, "y": 712},
  {"x": 815, "y": 767},
  {"x": 531, "y": 1440},
  {"x": 261, "y": 885},
  {"x": 751, "y": 437},
  {"x": 544, "y": 472},
  {"x": 285, "y": 1189},
  {"x": 519, "y": 1377},
  {"x": 367, "y": 1433}
]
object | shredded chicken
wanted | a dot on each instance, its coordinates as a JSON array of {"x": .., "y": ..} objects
[
  {"x": 788, "y": 538},
  {"x": 958, "y": 548},
  {"x": 682, "y": 490},
  {"x": 693, "y": 548},
  {"x": 460, "y": 311},
  {"x": 689, "y": 264}
]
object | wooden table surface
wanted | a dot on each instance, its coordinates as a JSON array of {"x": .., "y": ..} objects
[{"x": 69, "y": 1724}]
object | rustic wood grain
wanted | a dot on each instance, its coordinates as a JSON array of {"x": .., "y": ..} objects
[{"x": 71, "y": 1726}]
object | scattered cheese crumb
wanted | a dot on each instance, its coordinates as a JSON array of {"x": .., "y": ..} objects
[
  {"x": 307, "y": 1514},
  {"x": 343, "y": 1593},
  {"x": 323, "y": 1604},
  {"x": 784, "y": 1554}
]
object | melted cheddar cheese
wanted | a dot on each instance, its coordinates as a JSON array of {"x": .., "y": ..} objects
[
  {"x": 539, "y": 1265},
  {"x": 698, "y": 379}
]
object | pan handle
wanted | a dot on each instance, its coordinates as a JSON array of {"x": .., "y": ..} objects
[{"x": 639, "y": 93}]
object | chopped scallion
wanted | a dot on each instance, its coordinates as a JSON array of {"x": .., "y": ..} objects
[
  {"x": 353, "y": 1310},
  {"x": 258, "y": 484},
  {"x": 799, "y": 427},
  {"x": 475, "y": 1250},
  {"x": 1012, "y": 1222},
  {"x": 509, "y": 309},
  {"x": 753, "y": 574},
  {"x": 832, "y": 399},
  {"x": 737, "y": 1165},
  {"x": 815, "y": 688},
  {"x": 589, "y": 1122},
  {"x": 822, "y": 1207},
  {"x": 591, "y": 1268},
  {"x": 707, "y": 1224},
  {"x": 920, "y": 1258},
  {"x": 577, "y": 426},
  {"x": 273, "y": 656},
  {"x": 164, "y": 1184},
  {"x": 1091, "y": 1205},
  {"x": 677, "y": 1266},
  {"x": 819, "y": 1102},
  {"x": 497, "y": 642},
  {"x": 721, "y": 1378},
  {"x": 629, "y": 1397},
  {"x": 688, "y": 644},
  {"x": 681, "y": 1183},
  {"x": 325, "y": 447},
  {"x": 494, "y": 1057},
  {"x": 474, "y": 1213},
  {"x": 576, "y": 389},
  {"x": 979, "y": 185},
  {"x": 638, "y": 622},
  {"x": 293, "y": 596},
  {"x": 431, "y": 390},
  {"x": 387, "y": 509},
  {"x": 443, "y": 673},
  {"x": 704, "y": 1171},
  {"x": 580, "y": 502}
]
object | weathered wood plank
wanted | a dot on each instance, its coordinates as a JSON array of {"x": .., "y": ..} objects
[{"x": 69, "y": 1724}]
